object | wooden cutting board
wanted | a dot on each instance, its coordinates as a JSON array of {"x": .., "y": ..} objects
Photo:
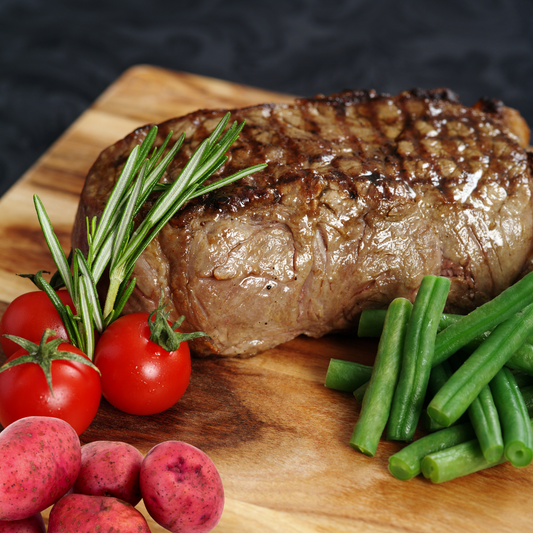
[{"x": 277, "y": 435}]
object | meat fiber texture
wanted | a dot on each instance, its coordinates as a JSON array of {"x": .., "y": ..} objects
[{"x": 364, "y": 194}]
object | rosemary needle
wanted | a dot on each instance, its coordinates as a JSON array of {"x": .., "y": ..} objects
[{"x": 114, "y": 242}]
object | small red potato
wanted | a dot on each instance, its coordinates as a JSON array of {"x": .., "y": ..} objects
[
  {"x": 86, "y": 514},
  {"x": 40, "y": 458},
  {"x": 110, "y": 468},
  {"x": 33, "y": 524},
  {"x": 181, "y": 488}
]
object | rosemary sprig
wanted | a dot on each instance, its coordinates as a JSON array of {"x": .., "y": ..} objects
[{"x": 114, "y": 242}]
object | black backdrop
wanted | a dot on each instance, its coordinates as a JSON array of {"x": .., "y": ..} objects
[{"x": 57, "y": 56}]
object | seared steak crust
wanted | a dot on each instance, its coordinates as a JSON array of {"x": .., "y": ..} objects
[{"x": 364, "y": 194}]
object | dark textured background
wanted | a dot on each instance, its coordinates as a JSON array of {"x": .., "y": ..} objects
[{"x": 57, "y": 56}]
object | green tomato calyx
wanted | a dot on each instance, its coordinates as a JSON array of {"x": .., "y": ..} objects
[
  {"x": 165, "y": 335},
  {"x": 44, "y": 353}
]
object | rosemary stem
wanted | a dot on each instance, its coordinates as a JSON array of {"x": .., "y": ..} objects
[
  {"x": 116, "y": 277},
  {"x": 114, "y": 243}
]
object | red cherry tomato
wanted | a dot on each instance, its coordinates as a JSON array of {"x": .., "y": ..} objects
[
  {"x": 24, "y": 391},
  {"x": 28, "y": 315},
  {"x": 138, "y": 376}
]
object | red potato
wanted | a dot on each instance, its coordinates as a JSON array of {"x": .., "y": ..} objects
[
  {"x": 33, "y": 524},
  {"x": 81, "y": 513},
  {"x": 40, "y": 459},
  {"x": 181, "y": 488},
  {"x": 110, "y": 469}
]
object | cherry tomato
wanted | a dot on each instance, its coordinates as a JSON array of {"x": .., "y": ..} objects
[
  {"x": 138, "y": 376},
  {"x": 28, "y": 315},
  {"x": 24, "y": 391}
]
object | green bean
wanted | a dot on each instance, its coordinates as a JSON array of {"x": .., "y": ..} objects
[
  {"x": 439, "y": 375},
  {"x": 359, "y": 393},
  {"x": 522, "y": 359},
  {"x": 428, "y": 424},
  {"x": 483, "y": 416},
  {"x": 522, "y": 379},
  {"x": 371, "y": 322},
  {"x": 346, "y": 375},
  {"x": 527, "y": 394},
  {"x": 484, "y": 318},
  {"x": 456, "y": 461},
  {"x": 437, "y": 378},
  {"x": 517, "y": 434},
  {"x": 406, "y": 463},
  {"x": 378, "y": 396},
  {"x": 480, "y": 367},
  {"x": 417, "y": 358},
  {"x": 447, "y": 319},
  {"x": 486, "y": 423}
]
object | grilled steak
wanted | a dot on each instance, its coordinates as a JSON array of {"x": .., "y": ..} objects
[{"x": 364, "y": 194}]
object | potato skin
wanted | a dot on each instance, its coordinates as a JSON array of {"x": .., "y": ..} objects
[
  {"x": 181, "y": 488},
  {"x": 33, "y": 524},
  {"x": 86, "y": 514},
  {"x": 110, "y": 468},
  {"x": 40, "y": 458}
]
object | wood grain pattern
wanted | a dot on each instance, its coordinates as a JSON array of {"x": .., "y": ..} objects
[{"x": 277, "y": 435}]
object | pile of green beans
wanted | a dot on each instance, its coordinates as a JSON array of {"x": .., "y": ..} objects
[{"x": 467, "y": 380}]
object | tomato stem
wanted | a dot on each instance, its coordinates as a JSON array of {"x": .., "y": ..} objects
[
  {"x": 163, "y": 333},
  {"x": 43, "y": 354}
]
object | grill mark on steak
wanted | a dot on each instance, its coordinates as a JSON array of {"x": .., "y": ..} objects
[{"x": 364, "y": 194}]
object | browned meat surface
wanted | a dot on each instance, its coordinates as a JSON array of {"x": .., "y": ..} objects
[{"x": 364, "y": 194}]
